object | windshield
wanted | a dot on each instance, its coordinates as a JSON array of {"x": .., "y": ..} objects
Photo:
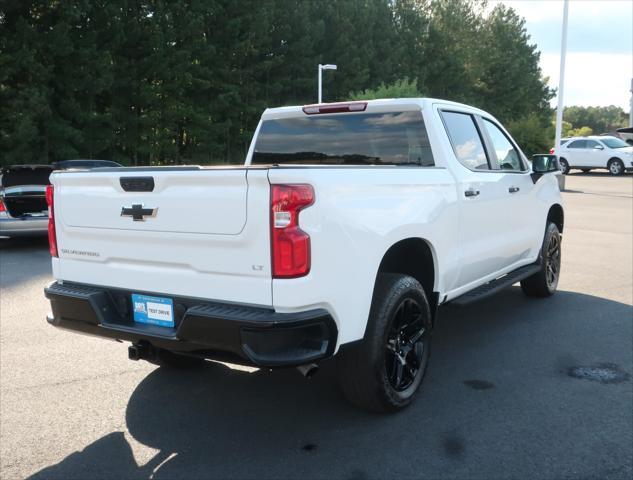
[
  {"x": 393, "y": 138},
  {"x": 613, "y": 142}
]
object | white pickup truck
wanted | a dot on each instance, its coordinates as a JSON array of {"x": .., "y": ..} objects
[{"x": 347, "y": 227}]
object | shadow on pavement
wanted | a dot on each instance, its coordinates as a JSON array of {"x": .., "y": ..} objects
[
  {"x": 596, "y": 173},
  {"x": 498, "y": 401}
]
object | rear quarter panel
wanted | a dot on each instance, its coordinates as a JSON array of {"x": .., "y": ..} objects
[{"x": 358, "y": 214}]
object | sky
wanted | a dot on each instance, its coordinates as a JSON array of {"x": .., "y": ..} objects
[{"x": 599, "y": 63}]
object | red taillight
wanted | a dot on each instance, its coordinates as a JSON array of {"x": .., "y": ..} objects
[
  {"x": 551, "y": 151},
  {"x": 2, "y": 207},
  {"x": 335, "y": 108},
  {"x": 52, "y": 235},
  {"x": 289, "y": 244}
]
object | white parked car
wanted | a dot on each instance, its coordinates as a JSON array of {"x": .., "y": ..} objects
[
  {"x": 23, "y": 209},
  {"x": 348, "y": 225},
  {"x": 587, "y": 153}
]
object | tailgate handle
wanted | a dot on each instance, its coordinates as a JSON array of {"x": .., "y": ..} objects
[{"x": 137, "y": 184}]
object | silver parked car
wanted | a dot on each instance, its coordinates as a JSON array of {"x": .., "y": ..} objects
[{"x": 23, "y": 209}]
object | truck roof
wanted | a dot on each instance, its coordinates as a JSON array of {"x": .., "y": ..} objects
[{"x": 378, "y": 105}]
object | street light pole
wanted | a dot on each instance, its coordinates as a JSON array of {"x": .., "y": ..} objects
[
  {"x": 321, "y": 68},
  {"x": 561, "y": 78},
  {"x": 320, "y": 85},
  {"x": 631, "y": 106}
]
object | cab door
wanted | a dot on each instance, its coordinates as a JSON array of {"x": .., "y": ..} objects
[
  {"x": 488, "y": 241},
  {"x": 518, "y": 205}
]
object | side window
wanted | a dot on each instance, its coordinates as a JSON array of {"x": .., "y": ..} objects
[
  {"x": 578, "y": 144},
  {"x": 465, "y": 139},
  {"x": 507, "y": 156},
  {"x": 592, "y": 144}
]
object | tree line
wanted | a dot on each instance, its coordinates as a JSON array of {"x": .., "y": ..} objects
[
  {"x": 583, "y": 121},
  {"x": 185, "y": 81}
]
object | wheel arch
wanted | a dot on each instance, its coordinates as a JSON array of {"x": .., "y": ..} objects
[
  {"x": 556, "y": 214},
  {"x": 416, "y": 257}
]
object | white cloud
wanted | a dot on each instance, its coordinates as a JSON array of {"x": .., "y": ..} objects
[
  {"x": 533, "y": 10},
  {"x": 592, "y": 78},
  {"x": 599, "y": 64},
  {"x": 582, "y": 10},
  {"x": 389, "y": 119}
]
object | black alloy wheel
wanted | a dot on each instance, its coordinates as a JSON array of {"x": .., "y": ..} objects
[
  {"x": 406, "y": 345},
  {"x": 384, "y": 371}
]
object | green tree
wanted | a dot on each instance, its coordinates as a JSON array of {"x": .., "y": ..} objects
[
  {"x": 162, "y": 82},
  {"x": 532, "y": 133},
  {"x": 580, "y": 132},
  {"x": 511, "y": 84},
  {"x": 452, "y": 59},
  {"x": 599, "y": 119},
  {"x": 404, "y": 88}
]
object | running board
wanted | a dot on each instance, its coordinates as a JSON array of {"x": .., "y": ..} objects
[{"x": 490, "y": 288}]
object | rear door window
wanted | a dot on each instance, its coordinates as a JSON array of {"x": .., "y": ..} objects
[
  {"x": 466, "y": 141},
  {"x": 393, "y": 138},
  {"x": 578, "y": 144}
]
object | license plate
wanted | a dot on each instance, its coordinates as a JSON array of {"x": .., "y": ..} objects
[{"x": 153, "y": 310}]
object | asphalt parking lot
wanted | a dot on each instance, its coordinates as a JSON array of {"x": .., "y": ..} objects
[{"x": 517, "y": 388}]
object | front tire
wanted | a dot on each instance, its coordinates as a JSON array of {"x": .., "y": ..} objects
[
  {"x": 615, "y": 166},
  {"x": 384, "y": 372},
  {"x": 564, "y": 166},
  {"x": 544, "y": 282}
]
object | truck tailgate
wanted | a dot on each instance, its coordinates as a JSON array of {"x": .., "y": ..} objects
[{"x": 200, "y": 232}]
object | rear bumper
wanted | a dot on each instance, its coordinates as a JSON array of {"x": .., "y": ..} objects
[
  {"x": 236, "y": 333},
  {"x": 10, "y": 226}
]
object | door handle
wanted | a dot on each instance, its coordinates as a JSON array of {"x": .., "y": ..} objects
[
  {"x": 471, "y": 193},
  {"x": 513, "y": 189}
]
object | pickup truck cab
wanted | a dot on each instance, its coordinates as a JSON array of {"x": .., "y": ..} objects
[{"x": 345, "y": 229}]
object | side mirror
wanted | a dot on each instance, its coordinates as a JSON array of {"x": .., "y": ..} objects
[
  {"x": 542, "y": 164},
  {"x": 598, "y": 147}
]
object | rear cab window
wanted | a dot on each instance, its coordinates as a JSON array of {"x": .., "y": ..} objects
[{"x": 388, "y": 138}]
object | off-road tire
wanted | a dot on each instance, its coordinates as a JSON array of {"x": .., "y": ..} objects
[{"x": 362, "y": 369}]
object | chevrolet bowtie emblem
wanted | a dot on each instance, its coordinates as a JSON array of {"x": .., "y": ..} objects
[{"x": 138, "y": 212}]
